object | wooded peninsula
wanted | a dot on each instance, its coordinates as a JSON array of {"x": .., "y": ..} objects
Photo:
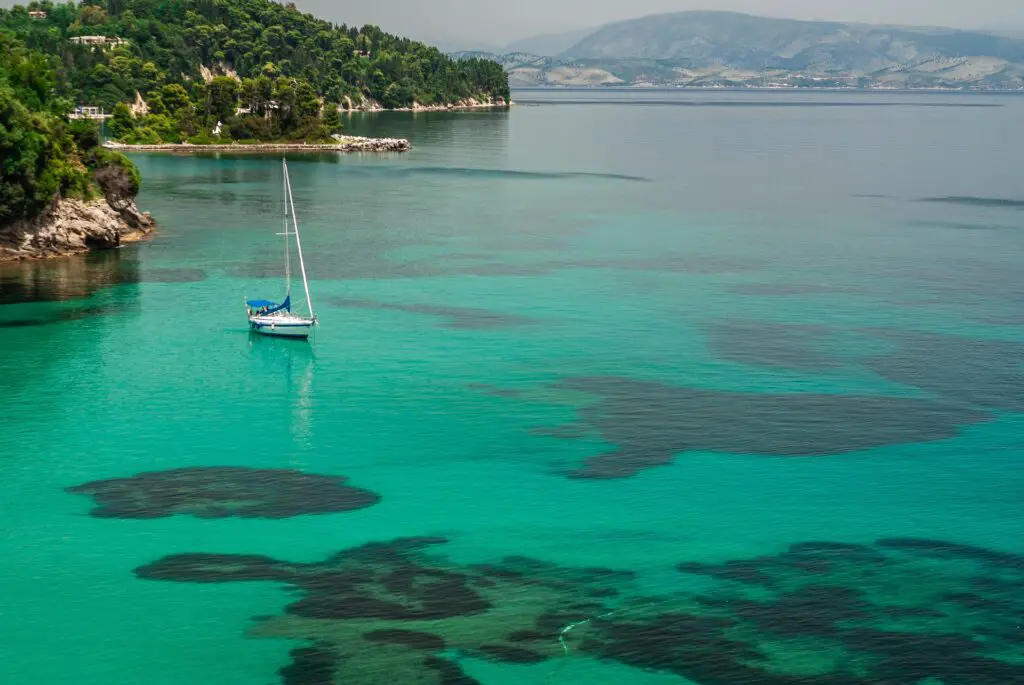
[
  {"x": 201, "y": 72},
  {"x": 172, "y": 70}
]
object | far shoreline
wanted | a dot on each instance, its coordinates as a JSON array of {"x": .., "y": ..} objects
[
  {"x": 762, "y": 89},
  {"x": 461, "y": 106},
  {"x": 345, "y": 144}
]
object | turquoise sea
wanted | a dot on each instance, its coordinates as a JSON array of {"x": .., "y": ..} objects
[{"x": 757, "y": 353}]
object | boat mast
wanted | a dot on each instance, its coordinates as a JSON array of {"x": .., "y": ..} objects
[
  {"x": 298, "y": 241},
  {"x": 287, "y": 255}
]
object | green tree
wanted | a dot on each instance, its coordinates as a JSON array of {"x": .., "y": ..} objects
[
  {"x": 23, "y": 150},
  {"x": 222, "y": 98},
  {"x": 85, "y": 133},
  {"x": 122, "y": 122},
  {"x": 108, "y": 96},
  {"x": 92, "y": 15},
  {"x": 307, "y": 104},
  {"x": 44, "y": 157},
  {"x": 28, "y": 73},
  {"x": 332, "y": 118},
  {"x": 285, "y": 116},
  {"x": 128, "y": 20},
  {"x": 257, "y": 94},
  {"x": 149, "y": 77},
  {"x": 186, "y": 121},
  {"x": 175, "y": 98},
  {"x": 156, "y": 103}
]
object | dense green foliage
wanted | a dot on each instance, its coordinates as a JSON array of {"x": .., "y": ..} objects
[
  {"x": 43, "y": 155},
  {"x": 281, "y": 68}
]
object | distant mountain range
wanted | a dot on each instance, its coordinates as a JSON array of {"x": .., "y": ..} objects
[
  {"x": 712, "y": 49},
  {"x": 543, "y": 44},
  {"x": 550, "y": 43}
]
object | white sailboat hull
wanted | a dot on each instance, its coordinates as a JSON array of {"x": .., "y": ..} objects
[{"x": 282, "y": 326}]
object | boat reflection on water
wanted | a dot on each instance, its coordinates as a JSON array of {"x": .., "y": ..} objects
[{"x": 284, "y": 358}]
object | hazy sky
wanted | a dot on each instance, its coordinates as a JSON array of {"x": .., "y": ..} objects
[
  {"x": 471, "y": 23},
  {"x": 502, "y": 21}
]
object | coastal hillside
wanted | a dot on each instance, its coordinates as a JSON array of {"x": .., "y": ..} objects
[
  {"x": 715, "y": 49},
  {"x": 263, "y": 70},
  {"x": 701, "y": 40},
  {"x": 60, "y": 191},
  {"x": 745, "y": 42},
  {"x": 155, "y": 42}
]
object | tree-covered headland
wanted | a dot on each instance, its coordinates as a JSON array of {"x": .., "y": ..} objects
[
  {"x": 261, "y": 70},
  {"x": 44, "y": 155}
]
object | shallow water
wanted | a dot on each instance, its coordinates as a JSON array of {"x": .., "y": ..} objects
[{"x": 631, "y": 336}]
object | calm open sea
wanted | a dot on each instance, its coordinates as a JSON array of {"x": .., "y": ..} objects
[{"x": 758, "y": 353}]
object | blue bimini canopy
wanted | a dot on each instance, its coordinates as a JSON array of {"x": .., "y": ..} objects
[{"x": 272, "y": 306}]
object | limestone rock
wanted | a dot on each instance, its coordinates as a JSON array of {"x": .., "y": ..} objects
[
  {"x": 371, "y": 105},
  {"x": 73, "y": 226}
]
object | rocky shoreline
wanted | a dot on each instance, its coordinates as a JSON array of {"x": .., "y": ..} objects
[
  {"x": 73, "y": 227},
  {"x": 344, "y": 144},
  {"x": 373, "y": 106}
]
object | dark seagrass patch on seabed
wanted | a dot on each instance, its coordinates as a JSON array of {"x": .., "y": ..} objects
[
  {"x": 310, "y": 666},
  {"x": 224, "y": 491},
  {"x": 967, "y": 281},
  {"x": 978, "y": 201},
  {"x": 683, "y": 264},
  {"x": 409, "y": 638},
  {"x": 963, "y": 226},
  {"x": 383, "y": 612},
  {"x": 451, "y": 317},
  {"x": 62, "y": 314},
  {"x": 975, "y": 372},
  {"x": 983, "y": 373},
  {"x": 900, "y": 612},
  {"x": 680, "y": 264},
  {"x": 493, "y": 391},
  {"x": 1000, "y": 319},
  {"x": 649, "y": 423},
  {"x": 475, "y": 173},
  {"x": 793, "y": 289},
  {"x": 379, "y": 266},
  {"x": 764, "y": 343},
  {"x": 479, "y": 173},
  {"x": 172, "y": 275}
]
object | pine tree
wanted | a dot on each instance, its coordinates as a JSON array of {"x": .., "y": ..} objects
[
  {"x": 122, "y": 123},
  {"x": 332, "y": 118}
]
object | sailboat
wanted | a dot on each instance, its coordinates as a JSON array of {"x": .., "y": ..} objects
[{"x": 271, "y": 318}]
